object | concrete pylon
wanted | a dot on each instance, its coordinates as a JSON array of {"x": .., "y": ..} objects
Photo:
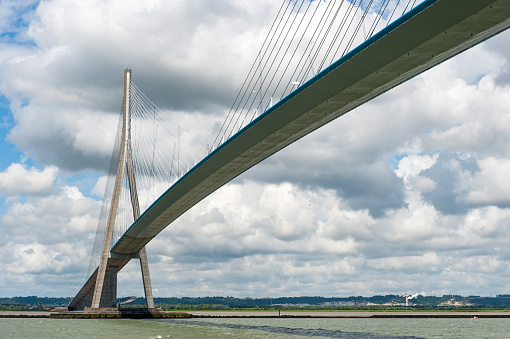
[{"x": 105, "y": 289}]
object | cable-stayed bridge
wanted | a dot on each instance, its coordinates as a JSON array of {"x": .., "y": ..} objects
[{"x": 319, "y": 61}]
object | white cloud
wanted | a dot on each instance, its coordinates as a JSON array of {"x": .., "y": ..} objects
[
  {"x": 426, "y": 262},
  {"x": 490, "y": 185},
  {"x": 75, "y": 70},
  {"x": 412, "y": 165},
  {"x": 18, "y": 179},
  {"x": 99, "y": 187},
  {"x": 333, "y": 214},
  {"x": 481, "y": 122},
  {"x": 46, "y": 242},
  {"x": 235, "y": 249},
  {"x": 484, "y": 223},
  {"x": 424, "y": 184}
]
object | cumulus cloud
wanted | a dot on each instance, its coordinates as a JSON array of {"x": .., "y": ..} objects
[
  {"x": 222, "y": 241},
  {"x": 489, "y": 185},
  {"x": 74, "y": 70},
  {"x": 405, "y": 193},
  {"x": 427, "y": 261},
  {"x": 76, "y": 141},
  {"x": 18, "y": 179},
  {"x": 46, "y": 242},
  {"x": 412, "y": 165}
]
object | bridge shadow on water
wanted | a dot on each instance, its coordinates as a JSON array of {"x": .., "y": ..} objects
[{"x": 304, "y": 332}]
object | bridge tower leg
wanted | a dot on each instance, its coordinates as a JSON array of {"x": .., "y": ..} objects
[
  {"x": 105, "y": 289},
  {"x": 144, "y": 264}
]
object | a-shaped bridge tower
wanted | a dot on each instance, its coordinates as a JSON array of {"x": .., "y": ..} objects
[{"x": 101, "y": 291}]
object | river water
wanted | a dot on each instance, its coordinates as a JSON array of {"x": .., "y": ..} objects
[{"x": 255, "y": 328}]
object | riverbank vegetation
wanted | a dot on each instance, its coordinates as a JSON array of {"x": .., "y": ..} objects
[{"x": 353, "y": 303}]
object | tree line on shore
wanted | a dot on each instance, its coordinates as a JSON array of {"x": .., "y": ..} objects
[{"x": 304, "y": 302}]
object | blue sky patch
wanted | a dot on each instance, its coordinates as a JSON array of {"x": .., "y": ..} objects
[
  {"x": 15, "y": 30},
  {"x": 8, "y": 150}
]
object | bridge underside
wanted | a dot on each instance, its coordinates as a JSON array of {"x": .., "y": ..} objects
[{"x": 430, "y": 34}]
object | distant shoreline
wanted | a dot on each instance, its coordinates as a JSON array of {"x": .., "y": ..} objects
[
  {"x": 25, "y": 314},
  {"x": 301, "y": 314},
  {"x": 345, "y": 314}
]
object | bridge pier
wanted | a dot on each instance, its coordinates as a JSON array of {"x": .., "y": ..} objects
[
  {"x": 109, "y": 291},
  {"x": 147, "y": 287}
]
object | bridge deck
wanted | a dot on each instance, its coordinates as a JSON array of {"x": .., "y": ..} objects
[
  {"x": 429, "y": 34},
  {"x": 426, "y": 36}
]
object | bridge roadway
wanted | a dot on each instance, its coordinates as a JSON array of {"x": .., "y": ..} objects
[{"x": 429, "y": 34}]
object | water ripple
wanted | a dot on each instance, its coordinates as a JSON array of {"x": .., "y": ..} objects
[{"x": 305, "y": 332}]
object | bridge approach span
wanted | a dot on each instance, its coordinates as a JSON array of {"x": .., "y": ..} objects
[{"x": 431, "y": 33}]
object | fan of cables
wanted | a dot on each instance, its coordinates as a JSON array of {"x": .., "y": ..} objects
[
  {"x": 154, "y": 149},
  {"x": 305, "y": 37}
]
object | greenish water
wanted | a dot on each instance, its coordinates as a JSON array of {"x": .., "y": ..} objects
[{"x": 255, "y": 328}]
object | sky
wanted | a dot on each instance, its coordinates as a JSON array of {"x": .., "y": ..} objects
[{"x": 406, "y": 194}]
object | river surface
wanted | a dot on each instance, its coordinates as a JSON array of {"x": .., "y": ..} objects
[{"x": 255, "y": 328}]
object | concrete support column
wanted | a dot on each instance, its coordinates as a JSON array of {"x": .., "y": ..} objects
[
  {"x": 105, "y": 291},
  {"x": 109, "y": 295},
  {"x": 105, "y": 254},
  {"x": 146, "y": 278}
]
